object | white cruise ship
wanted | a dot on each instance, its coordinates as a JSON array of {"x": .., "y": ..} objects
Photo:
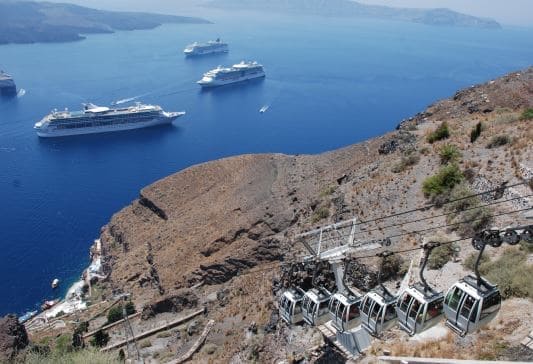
[
  {"x": 238, "y": 72},
  {"x": 213, "y": 46},
  {"x": 97, "y": 119}
]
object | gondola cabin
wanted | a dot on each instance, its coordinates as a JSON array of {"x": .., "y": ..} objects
[
  {"x": 378, "y": 311},
  {"x": 418, "y": 308},
  {"x": 471, "y": 303},
  {"x": 315, "y": 306},
  {"x": 344, "y": 311},
  {"x": 290, "y": 306}
]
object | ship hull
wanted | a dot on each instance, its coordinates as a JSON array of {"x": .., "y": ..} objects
[
  {"x": 161, "y": 120},
  {"x": 203, "y": 52},
  {"x": 216, "y": 83}
]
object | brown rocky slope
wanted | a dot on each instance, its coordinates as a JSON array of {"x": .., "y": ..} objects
[{"x": 200, "y": 229}]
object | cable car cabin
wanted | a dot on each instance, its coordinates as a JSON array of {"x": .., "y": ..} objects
[
  {"x": 344, "y": 311},
  {"x": 378, "y": 311},
  {"x": 469, "y": 305},
  {"x": 290, "y": 306},
  {"x": 419, "y": 308},
  {"x": 315, "y": 306}
]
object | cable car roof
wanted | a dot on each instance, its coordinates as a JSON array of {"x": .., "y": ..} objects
[
  {"x": 293, "y": 295},
  {"x": 417, "y": 291},
  {"x": 379, "y": 299},
  {"x": 318, "y": 295},
  {"x": 346, "y": 300}
]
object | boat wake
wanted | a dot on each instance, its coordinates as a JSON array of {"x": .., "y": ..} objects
[
  {"x": 264, "y": 109},
  {"x": 21, "y": 93}
]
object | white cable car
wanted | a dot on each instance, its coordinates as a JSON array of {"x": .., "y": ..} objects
[
  {"x": 315, "y": 306},
  {"x": 472, "y": 301},
  {"x": 344, "y": 311},
  {"x": 419, "y": 306},
  {"x": 290, "y": 306},
  {"x": 378, "y": 306},
  {"x": 377, "y": 311}
]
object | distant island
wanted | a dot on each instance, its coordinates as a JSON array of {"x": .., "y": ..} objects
[
  {"x": 348, "y": 8},
  {"x": 33, "y": 22}
]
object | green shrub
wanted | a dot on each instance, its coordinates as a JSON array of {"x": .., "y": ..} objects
[
  {"x": 527, "y": 114},
  {"x": 407, "y": 161},
  {"x": 320, "y": 213},
  {"x": 498, "y": 141},
  {"x": 145, "y": 344},
  {"x": 327, "y": 191},
  {"x": 63, "y": 344},
  {"x": 442, "y": 182},
  {"x": 527, "y": 247},
  {"x": 511, "y": 273},
  {"x": 449, "y": 154},
  {"x": 467, "y": 209},
  {"x": 476, "y": 132},
  {"x": 469, "y": 262},
  {"x": 442, "y": 132},
  {"x": 86, "y": 356},
  {"x": 440, "y": 256},
  {"x": 100, "y": 339},
  {"x": 115, "y": 313}
]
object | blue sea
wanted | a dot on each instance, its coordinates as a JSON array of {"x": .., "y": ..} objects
[{"x": 330, "y": 83}]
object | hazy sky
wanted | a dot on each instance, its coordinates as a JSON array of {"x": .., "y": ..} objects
[{"x": 517, "y": 12}]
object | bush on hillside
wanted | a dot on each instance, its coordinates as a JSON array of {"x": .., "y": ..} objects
[
  {"x": 115, "y": 313},
  {"x": 527, "y": 114},
  {"x": 320, "y": 213},
  {"x": 100, "y": 339},
  {"x": 498, "y": 141},
  {"x": 470, "y": 260},
  {"x": 441, "y": 255},
  {"x": 86, "y": 356},
  {"x": 440, "y": 184},
  {"x": 442, "y": 132},
  {"x": 407, "y": 161},
  {"x": 449, "y": 153},
  {"x": 476, "y": 132},
  {"x": 467, "y": 210},
  {"x": 511, "y": 273}
]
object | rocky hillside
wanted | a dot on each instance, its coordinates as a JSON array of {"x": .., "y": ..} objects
[
  {"x": 212, "y": 236},
  {"x": 32, "y": 22}
]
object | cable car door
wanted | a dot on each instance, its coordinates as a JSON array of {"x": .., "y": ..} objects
[{"x": 468, "y": 313}]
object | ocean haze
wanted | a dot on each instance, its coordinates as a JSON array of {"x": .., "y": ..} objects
[{"x": 510, "y": 12}]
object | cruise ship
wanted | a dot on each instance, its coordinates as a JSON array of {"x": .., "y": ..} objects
[
  {"x": 7, "y": 85},
  {"x": 213, "y": 46},
  {"x": 98, "y": 119},
  {"x": 238, "y": 72}
]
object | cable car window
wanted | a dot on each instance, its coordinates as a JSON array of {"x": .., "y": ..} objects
[
  {"x": 297, "y": 308},
  {"x": 390, "y": 313},
  {"x": 469, "y": 305},
  {"x": 366, "y": 306},
  {"x": 491, "y": 304},
  {"x": 354, "y": 312},
  {"x": 323, "y": 308},
  {"x": 376, "y": 311},
  {"x": 434, "y": 309},
  {"x": 473, "y": 316},
  {"x": 453, "y": 298},
  {"x": 414, "y": 309},
  {"x": 405, "y": 302}
]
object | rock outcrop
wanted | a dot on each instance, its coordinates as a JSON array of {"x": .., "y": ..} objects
[{"x": 13, "y": 337}]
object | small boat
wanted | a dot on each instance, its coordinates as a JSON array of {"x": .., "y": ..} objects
[
  {"x": 55, "y": 283},
  {"x": 263, "y": 109},
  {"x": 49, "y": 304},
  {"x": 28, "y": 315}
]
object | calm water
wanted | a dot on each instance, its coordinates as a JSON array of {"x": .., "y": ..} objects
[{"x": 329, "y": 83}]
